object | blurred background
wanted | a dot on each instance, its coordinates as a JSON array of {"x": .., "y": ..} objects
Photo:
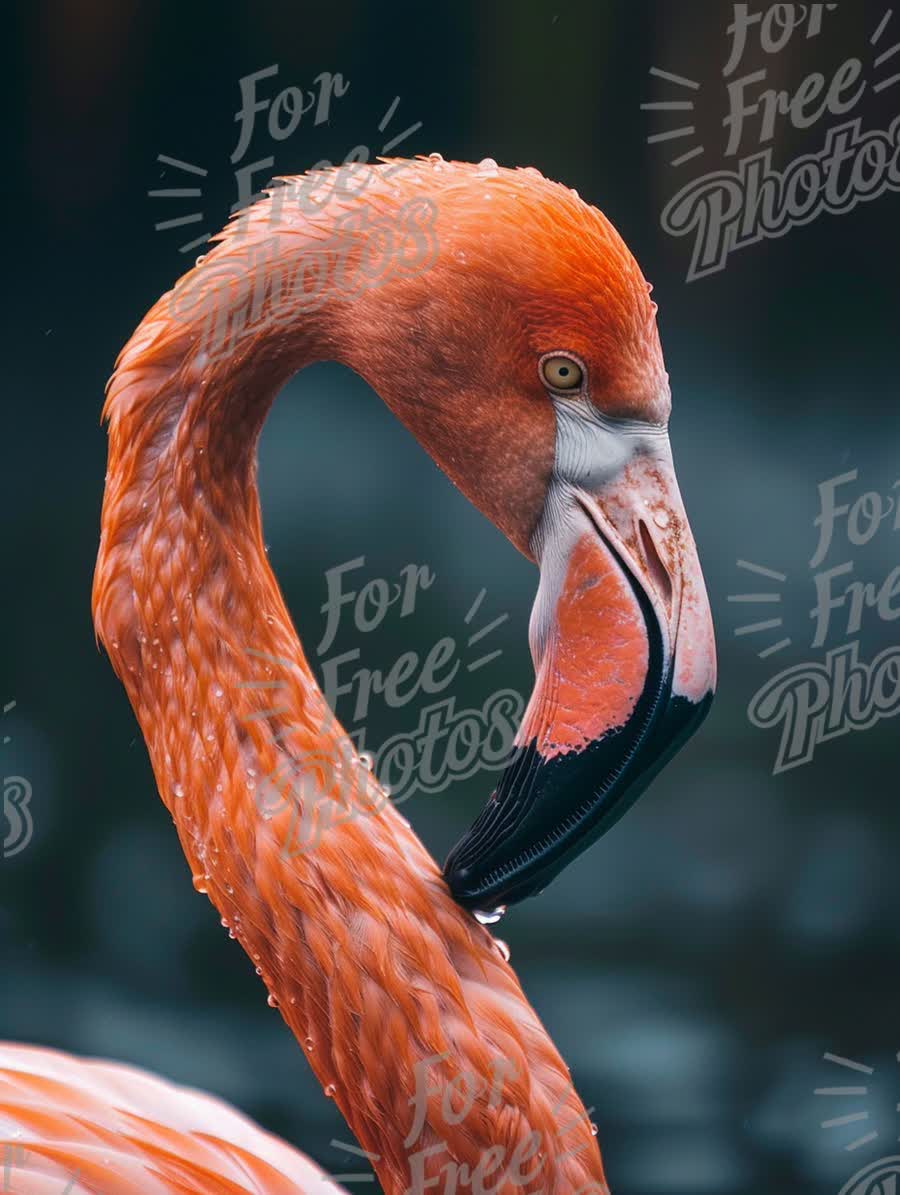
[{"x": 698, "y": 963}]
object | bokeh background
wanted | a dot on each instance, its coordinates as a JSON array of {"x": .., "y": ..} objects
[{"x": 694, "y": 966}]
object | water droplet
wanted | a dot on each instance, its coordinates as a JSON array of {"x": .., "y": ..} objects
[
  {"x": 259, "y": 970},
  {"x": 219, "y": 692},
  {"x": 367, "y": 759},
  {"x": 491, "y": 917},
  {"x": 487, "y": 166},
  {"x": 661, "y": 519},
  {"x": 225, "y": 923},
  {"x": 272, "y": 1001},
  {"x": 435, "y": 159},
  {"x": 309, "y": 1043},
  {"x": 200, "y": 260},
  {"x": 179, "y": 790},
  {"x": 593, "y": 1129},
  {"x": 502, "y": 948},
  {"x": 200, "y": 881},
  {"x": 330, "y": 1089}
]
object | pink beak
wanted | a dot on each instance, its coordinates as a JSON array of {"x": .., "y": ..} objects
[{"x": 625, "y": 662}]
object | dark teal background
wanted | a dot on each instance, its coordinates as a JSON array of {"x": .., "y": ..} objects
[{"x": 695, "y": 965}]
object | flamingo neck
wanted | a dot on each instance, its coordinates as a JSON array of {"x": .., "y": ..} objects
[
  {"x": 330, "y": 893},
  {"x": 246, "y": 755}
]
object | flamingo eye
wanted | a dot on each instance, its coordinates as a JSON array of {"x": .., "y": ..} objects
[{"x": 561, "y": 373}]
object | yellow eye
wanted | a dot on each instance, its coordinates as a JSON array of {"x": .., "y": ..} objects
[{"x": 561, "y": 373}]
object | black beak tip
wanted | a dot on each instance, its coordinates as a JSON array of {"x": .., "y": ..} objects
[
  {"x": 475, "y": 896},
  {"x": 514, "y": 849}
]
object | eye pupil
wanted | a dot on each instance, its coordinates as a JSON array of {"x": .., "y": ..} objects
[{"x": 561, "y": 373}]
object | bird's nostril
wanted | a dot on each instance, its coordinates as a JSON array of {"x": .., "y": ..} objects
[{"x": 659, "y": 574}]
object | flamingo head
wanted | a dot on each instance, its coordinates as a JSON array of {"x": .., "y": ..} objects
[{"x": 525, "y": 358}]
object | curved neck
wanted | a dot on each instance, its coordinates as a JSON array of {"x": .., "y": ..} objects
[{"x": 410, "y": 1016}]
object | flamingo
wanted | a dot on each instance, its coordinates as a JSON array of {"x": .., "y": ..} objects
[{"x": 506, "y": 324}]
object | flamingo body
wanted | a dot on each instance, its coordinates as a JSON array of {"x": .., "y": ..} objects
[{"x": 72, "y": 1125}]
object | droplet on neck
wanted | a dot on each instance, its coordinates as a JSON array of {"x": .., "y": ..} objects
[
  {"x": 490, "y": 917},
  {"x": 179, "y": 790},
  {"x": 502, "y": 948},
  {"x": 367, "y": 759},
  {"x": 309, "y": 1043},
  {"x": 199, "y": 881},
  {"x": 330, "y": 1089},
  {"x": 272, "y": 1001},
  {"x": 487, "y": 166}
]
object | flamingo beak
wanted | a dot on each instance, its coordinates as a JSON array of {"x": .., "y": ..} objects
[{"x": 622, "y": 640}]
